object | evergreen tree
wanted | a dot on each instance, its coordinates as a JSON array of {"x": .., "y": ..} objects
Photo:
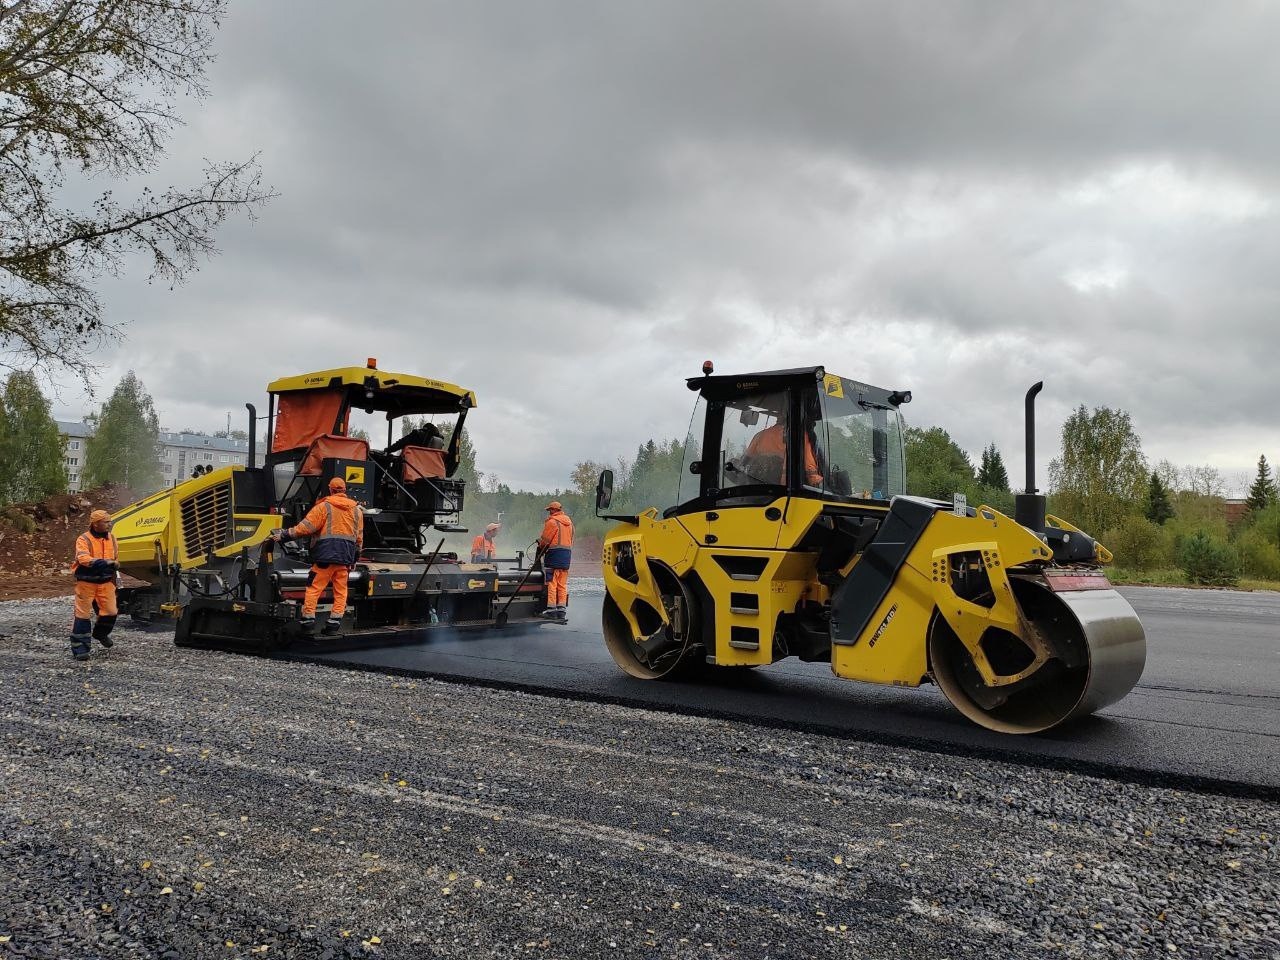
[
  {"x": 31, "y": 461},
  {"x": 992, "y": 472},
  {"x": 1158, "y": 508},
  {"x": 1263, "y": 493},
  {"x": 124, "y": 447}
]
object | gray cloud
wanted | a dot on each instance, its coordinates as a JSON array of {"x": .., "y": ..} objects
[{"x": 568, "y": 207}]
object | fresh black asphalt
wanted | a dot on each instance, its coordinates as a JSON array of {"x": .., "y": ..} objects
[{"x": 1205, "y": 714}]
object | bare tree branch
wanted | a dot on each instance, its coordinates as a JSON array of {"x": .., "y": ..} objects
[{"x": 89, "y": 85}]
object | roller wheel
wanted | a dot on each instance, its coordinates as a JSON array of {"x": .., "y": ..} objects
[
  {"x": 666, "y": 651},
  {"x": 1100, "y": 651}
]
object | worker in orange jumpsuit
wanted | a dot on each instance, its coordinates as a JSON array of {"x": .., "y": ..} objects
[
  {"x": 335, "y": 526},
  {"x": 772, "y": 442},
  {"x": 94, "y": 568},
  {"x": 555, "y": 549},
  {"x": 483, "y": 549}
]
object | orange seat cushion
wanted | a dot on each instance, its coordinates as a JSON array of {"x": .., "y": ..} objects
[
  {"x": 423, "y": 463},
  {"x": 328, "y": 446}
]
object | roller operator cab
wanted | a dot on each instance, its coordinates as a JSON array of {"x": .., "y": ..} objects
[
  {"x": 793, "y": 535},
  {"x": 204, "y": 551}
]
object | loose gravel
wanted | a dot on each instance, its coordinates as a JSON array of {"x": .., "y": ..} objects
[{"x": 182, "y": 804}]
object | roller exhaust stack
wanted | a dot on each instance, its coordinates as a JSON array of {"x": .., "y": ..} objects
[{"x": 1029, "y": 506}]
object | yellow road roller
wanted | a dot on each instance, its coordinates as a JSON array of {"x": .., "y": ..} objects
[{"x": 793, "y": 536}]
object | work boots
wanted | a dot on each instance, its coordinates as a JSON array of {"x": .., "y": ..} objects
[
  {"x": 102, "y": 631},
  {"x": 81, "y": 639},
  {"x": 332, "y": 628},
  {"x": 556, "y": 614}
]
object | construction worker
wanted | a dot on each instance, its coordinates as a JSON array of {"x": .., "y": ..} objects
[
  {"x": 427, "y": 435},
  {"x": 772, "y": 443},
  {"x": 555, "y": 550},
  {"x": 94, "y": 568},
  {"x": 335, "y": 526},
  {"x": 483, "y": 549}
]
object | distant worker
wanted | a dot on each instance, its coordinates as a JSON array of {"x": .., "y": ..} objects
[
  {"x": 335, "y": 526},
  {"x": 483, "y": 548},
  {"x": 769, "y": 446},
  {"x": 94, "y": 568},
  {"x": 427, "y": 435},
  {"x": 555, "y": 549}
]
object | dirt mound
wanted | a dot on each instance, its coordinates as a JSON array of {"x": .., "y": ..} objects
[{"x": 37, "y": 540}]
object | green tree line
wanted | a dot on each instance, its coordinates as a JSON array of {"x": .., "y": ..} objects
[{"x": 1164, "y": 521}]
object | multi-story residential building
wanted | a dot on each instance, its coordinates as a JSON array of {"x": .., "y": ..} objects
[
  {"x": 74, "y": 436},
  {"x": 180, "y": 453}
]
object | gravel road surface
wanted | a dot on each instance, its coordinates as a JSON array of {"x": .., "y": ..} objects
[{"x": 181, "y": 804}]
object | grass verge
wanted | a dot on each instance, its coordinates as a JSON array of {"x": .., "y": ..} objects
[{"x": 1173, "y": 577}]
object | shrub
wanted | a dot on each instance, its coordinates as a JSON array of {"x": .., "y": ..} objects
[
  {"x": 1259, "y": 555},
  {"x": 1139, "y": 544},
  {"x": 1208, "y": 560},
  {"x": 1267, "y": 524},
  {"x": 18, "y": 520}
]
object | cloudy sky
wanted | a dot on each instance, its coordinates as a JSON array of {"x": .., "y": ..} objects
[{"x": 569, "y": 206}]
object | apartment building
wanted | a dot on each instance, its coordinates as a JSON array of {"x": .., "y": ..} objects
[{"x": 180, "y": 453}]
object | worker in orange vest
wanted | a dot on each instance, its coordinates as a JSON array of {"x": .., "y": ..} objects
[
  {"x": 94, "y": 568},
  {"x": 555, "y": 549},
  {"x": 772, "y": 442},
  {"x": 483, "y": 549},
  {"x": 335, "y": 527}
]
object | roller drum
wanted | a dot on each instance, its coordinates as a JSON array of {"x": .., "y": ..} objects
[
  {"x": 1117, "y": 646},
  {"x": 1103, "y": 651}
]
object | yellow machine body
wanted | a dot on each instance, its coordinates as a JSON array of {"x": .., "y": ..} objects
[
  {"x": 183, "y": 527},
  {"x": 890, "y": 650}
]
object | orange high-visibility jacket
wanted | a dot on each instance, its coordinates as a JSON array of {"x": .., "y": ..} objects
[
  {"x": 772, "y": 442},
  {"x": 556, "y": 532},
  {"x": 482, "y": 548},
  {"x": 90, "y": 549},
  {"x": 336, "y": 528}
]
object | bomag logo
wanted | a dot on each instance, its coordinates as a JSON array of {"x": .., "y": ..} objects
[
  {"x": 151, "y": 521},
  {"x": 311, "y": 380},
  {"x": 884, "y": 625},
  {"x": 355, "y": 475},
  {"x": 833, "y": 386}
]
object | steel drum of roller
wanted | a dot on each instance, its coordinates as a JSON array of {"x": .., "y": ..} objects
[{"x": 1101, "y": 649}]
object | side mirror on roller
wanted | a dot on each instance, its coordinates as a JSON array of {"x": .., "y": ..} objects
[{"x": 604, "y": 491}]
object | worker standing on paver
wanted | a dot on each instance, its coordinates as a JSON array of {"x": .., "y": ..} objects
[
  {"x": 335, "y": 526},
  {"x": 94, "y": 567},
  {"x": 555, "y": 548},
  {"x": 483, "y": 548}
]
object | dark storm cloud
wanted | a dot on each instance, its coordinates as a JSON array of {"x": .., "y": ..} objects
[{"x": 567, "y": 206}]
